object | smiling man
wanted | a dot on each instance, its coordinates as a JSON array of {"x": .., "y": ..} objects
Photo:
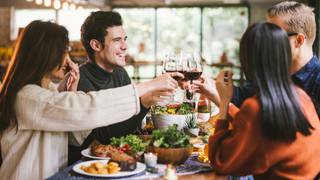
[{"x": 104, "y": 39}]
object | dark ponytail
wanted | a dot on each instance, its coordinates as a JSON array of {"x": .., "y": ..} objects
[{"x": 265, "y": 56}]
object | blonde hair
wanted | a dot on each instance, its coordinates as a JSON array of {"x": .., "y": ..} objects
[{"x": 297, "y": 17}]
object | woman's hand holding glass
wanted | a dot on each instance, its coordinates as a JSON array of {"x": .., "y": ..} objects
[
  {"x": 224, "y": 85},
  {"x": 207, "y": 87},
  {"x": 220, "y": 92},
  {"x": 166, "y": 81},
  {"x": 158, "y": 89}
]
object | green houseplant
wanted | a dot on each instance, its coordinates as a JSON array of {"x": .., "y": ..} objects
[{"x": 192, "y": 126}]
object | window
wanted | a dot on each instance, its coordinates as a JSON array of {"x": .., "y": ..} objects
[
  {"x": 222, "y": 30},
  {"x": 178, "y": 30},
  {"x": 73, "y": 20},
  {"x": 139, "y": 26},
  {"x": 23, "y": 17},
  {"x": 215, "y": 32}
]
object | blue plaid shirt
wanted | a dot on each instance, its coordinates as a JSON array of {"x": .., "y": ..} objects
[{"x": 308, "y": 78}]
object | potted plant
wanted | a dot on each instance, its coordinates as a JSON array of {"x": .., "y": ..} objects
[{"x": 191, "y": 123}]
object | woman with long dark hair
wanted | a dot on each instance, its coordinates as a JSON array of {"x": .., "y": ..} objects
[
  {"x": 275, "y": 134},
  {"x": 35, "y": 117}
]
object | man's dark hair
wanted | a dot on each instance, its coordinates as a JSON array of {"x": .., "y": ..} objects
[
  {"x": 95, "y": 27},
  {"x": 265, "y": 57}
]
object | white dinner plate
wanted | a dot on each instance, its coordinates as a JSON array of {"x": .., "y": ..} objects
[
  {"x": 77, "y": 168},
  {"x": 199, "y": 145},
  {"x": 87, "y": 153}
]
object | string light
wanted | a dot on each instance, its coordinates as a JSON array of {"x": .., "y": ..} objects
[
  {"x": 65, "y": 6},
  {"x": 72, "y": 6},
  {"x": 39, "y": 2},
  {"x": 56, "y": 4},
  {"x": 61, "y": 4},
  {"x": 47, "y": 3}
]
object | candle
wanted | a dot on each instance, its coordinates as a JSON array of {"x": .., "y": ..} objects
[{"x": 150, "y": 159}]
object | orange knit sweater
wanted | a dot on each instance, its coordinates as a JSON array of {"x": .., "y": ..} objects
[{"x": 245, "y": 150}]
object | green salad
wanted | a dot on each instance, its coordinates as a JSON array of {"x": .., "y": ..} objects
[
  {"x": 130, "y": 144},
  {"x": 170, "y": 137},
  {"x": 181, "y": 109}
]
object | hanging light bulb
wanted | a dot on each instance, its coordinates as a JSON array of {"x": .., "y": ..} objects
[
  {"x": 47, "y": 3},
  {"x": 65, "y": 6},
  {"x": 56, "y": 4},
  {"x": 72, "y": 6},
  {"x": 39, "y": 2},
  {"x": 29, "y": 0}
]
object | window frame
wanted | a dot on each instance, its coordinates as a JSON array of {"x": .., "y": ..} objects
[
  {"x": 202, "y": 7},
  {"x": 13, "y": 35}
]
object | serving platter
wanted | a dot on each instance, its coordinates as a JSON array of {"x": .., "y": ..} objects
[
  {"x": 87, "y": 153},
  {"x": 77, "y": 168}
]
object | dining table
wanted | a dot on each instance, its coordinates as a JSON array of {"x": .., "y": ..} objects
[{"x": 191, "y": 169}]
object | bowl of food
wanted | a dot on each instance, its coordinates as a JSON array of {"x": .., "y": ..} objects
[
  {"x": 171, "y": 145},
  {"x": 170, "y": 114},
  {"x": 173, "y": 155},
  {"x": 165, "y": 120}
]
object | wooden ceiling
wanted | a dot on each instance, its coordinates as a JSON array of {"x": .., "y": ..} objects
[
  {"x": 116, "y": 3},
  {"x": 140, "y": 3}
]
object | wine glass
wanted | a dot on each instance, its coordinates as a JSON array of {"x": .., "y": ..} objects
[
  {"x": 172, "y": 63},
  {"x": 194, "y": 67},
  {"x": 194, "y": 71}
]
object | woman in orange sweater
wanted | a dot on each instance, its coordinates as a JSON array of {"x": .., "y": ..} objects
[{"x": 276, "y": 133}]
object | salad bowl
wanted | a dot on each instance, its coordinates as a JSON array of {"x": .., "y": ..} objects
[
  {"x": 171, "y": 145},
  {"x": 173, "y": 155},
  {"x": 165, "y": 120},
  {"x": 165, "y": 116}
]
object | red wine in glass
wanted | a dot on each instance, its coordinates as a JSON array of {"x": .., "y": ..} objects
[
  {"x": 192, "y": 75},
  {"x": 177, "y": 78},
  {"x": 184, "y": 74},
  {"x": 189, "y": 94}
]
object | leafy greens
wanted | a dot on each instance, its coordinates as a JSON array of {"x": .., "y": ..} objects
[{"x": 170, "y": 138}]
